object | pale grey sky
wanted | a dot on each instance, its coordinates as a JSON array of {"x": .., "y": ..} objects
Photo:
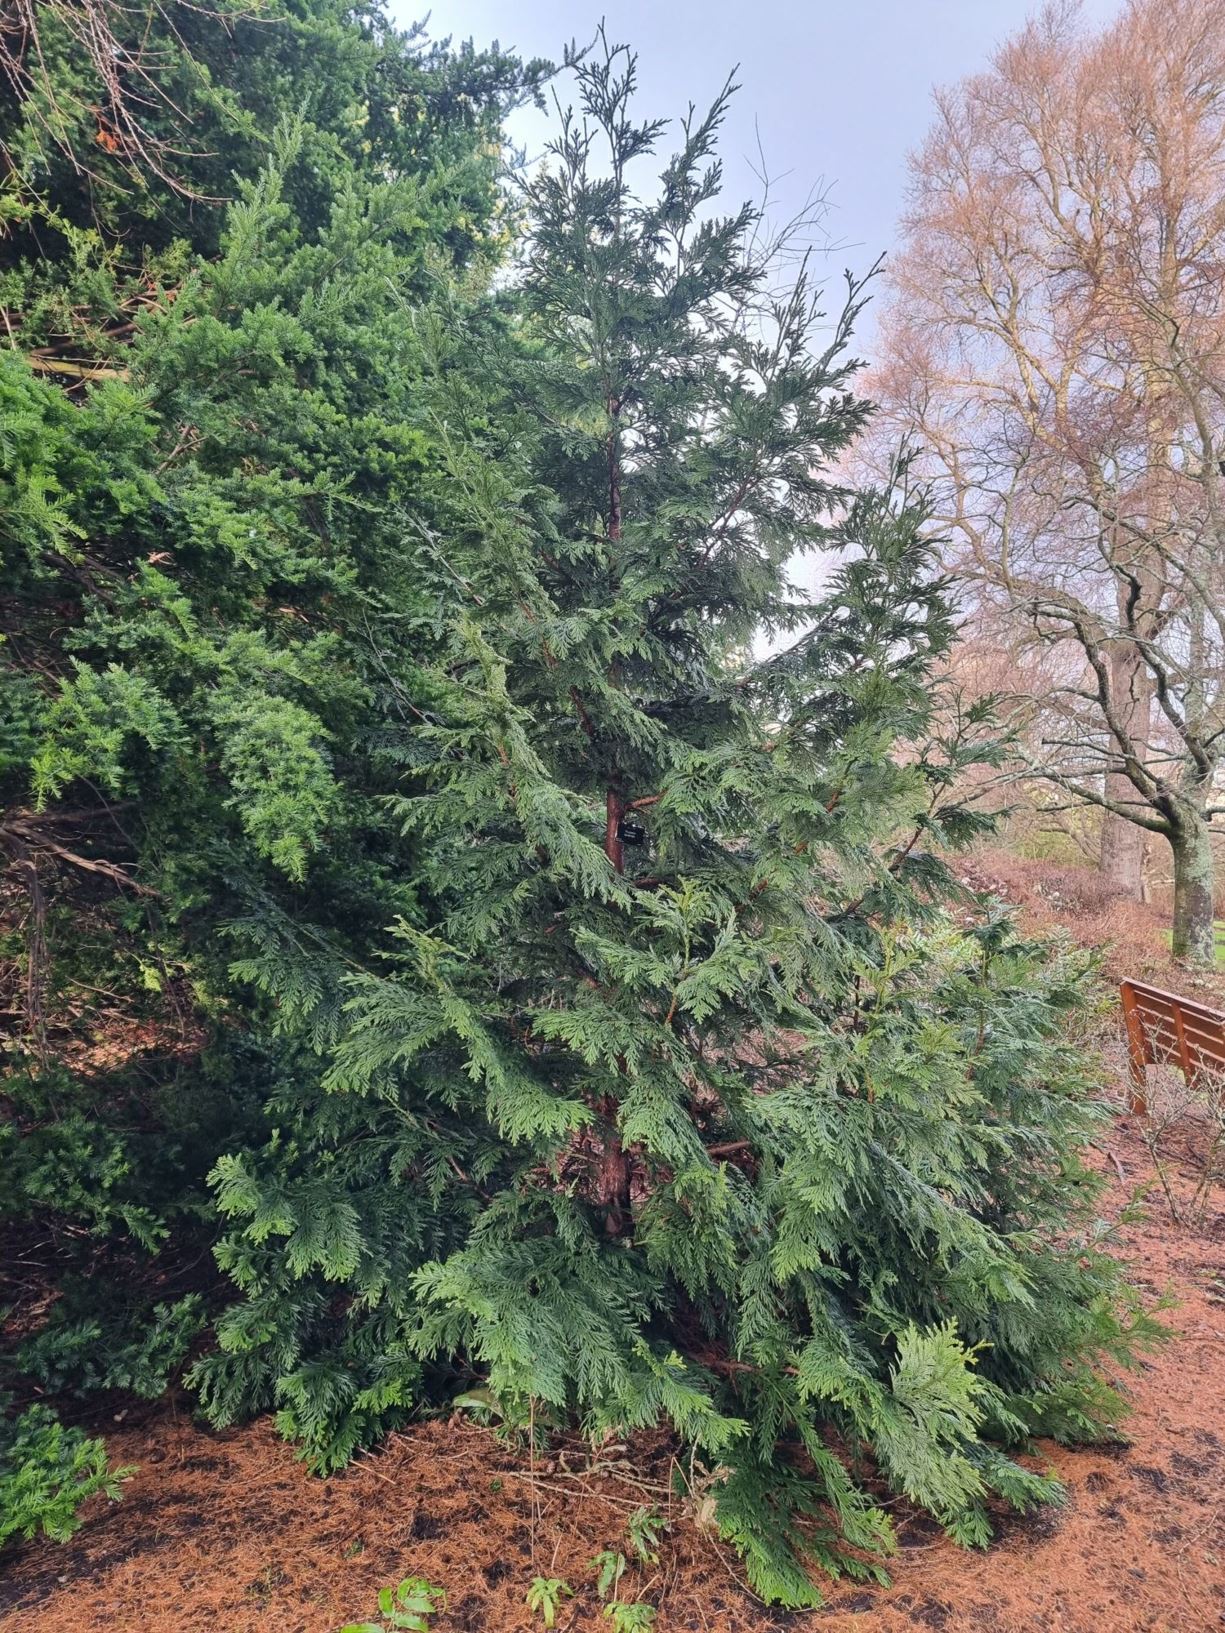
[{"x": 838, "y": 92}]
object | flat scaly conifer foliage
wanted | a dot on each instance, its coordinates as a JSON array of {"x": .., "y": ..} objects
[{"x": 677, "y": 1095}]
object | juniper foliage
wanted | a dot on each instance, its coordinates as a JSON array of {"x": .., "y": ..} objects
[
  {"x": 46, "y": 1473},
  {"x": 211, "y": 441},
  {"x": 677, "y": 1094}
]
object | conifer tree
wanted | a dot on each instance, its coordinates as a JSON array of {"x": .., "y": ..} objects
[
  {"x": 678, "y": 1095},
  {"x": 211, "y": 440}
]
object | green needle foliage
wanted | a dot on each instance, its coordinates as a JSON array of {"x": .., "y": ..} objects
[
  {"x": 213, "y": 445},
  {"x": 527, "y": 901},
  {"x": 46, "y": 1473},
  {"x": 678, "y": 1094}
]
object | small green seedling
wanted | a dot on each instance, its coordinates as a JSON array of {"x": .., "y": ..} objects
[
  {"x": 406, "y": 1608},
  {"x": 645, "y": 1527},
  {"x": 636, "y": 1618},
  {"x": 609, "y": 1567},
  {"x": 545, "y": 1596},
  {"x": 482, "y": 1403}
]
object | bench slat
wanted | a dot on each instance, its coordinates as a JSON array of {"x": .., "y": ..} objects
[
  {"x": 1209, "y": 1037},
  {"x": 1162, "y": 1029}
]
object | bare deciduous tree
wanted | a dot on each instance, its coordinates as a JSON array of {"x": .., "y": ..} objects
[{"x": 1055, "y": 346}]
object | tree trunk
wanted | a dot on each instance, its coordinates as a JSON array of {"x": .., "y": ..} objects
[
  {"x": 612, "y": 1191},
  {"x": 614, "y": 810},
  {"x": 615, "y": 799},
  {"x": 1123, "y": 844},
  {"x": 1194, "y": 934}
]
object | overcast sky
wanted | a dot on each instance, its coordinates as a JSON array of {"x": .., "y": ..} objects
[{"x": 836, "y": 92}]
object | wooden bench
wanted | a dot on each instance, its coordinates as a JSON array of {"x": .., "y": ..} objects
[{"x": 1166, "y": 1030}]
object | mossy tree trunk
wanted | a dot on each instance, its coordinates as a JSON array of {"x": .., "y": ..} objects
[{"x": 1193, "y": 931}]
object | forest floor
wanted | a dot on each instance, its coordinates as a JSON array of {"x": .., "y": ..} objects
[{"x": 226, "y": 1531}]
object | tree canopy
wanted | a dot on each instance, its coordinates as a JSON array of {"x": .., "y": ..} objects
[{"x": 1061, "y": 379}]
